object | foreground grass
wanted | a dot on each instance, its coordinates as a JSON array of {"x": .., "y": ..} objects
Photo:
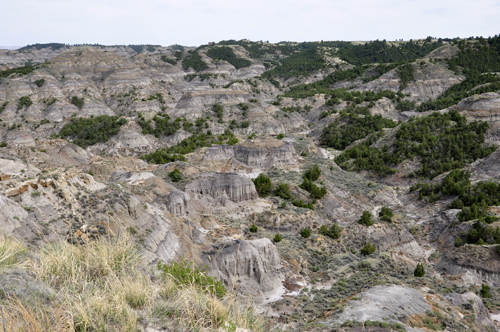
[{"x": 104, "y": 286}]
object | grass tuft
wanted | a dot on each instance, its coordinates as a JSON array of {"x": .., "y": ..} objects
[
  {"x": 11, "y": 253},
  {"x": 105, "y": 286}
]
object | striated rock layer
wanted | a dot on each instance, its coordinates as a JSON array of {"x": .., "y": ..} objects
[
  {"x": 222, "y": 186},
  {"x": 263, "y": 155},
  {"x": 248, "y": 266},
  {"x": 476, "y": 264}
]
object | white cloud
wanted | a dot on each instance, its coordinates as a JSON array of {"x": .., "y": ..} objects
[{"x": 193, "y": 22}]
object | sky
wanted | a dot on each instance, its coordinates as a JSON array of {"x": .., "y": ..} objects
[{"x": 196, "y": 22}]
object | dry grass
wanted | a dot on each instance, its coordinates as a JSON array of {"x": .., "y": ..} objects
[
  {"x": 102, "y": 283},
  {"x": 11, "y": 252},
  {"x": 104, "y": 286},
  {"x": 15, "y": 317},
  {"x": 200, "y": 311}
]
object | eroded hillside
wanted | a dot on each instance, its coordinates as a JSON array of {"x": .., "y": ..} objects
[{"x": 311, "y": 179}]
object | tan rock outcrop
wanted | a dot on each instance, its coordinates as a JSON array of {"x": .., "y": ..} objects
[
  {"x": 4, "y": 177},
  {"x": 222, "y": 187}
]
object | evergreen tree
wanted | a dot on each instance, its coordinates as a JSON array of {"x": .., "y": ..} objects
[
  {"x": 334, "y": 232},
  {"x": 366, "y": 219},
  {"x": 419, "y": 271},
  {"x": 485, "y": 291},
  {"x": 283, "y": 191},
  {"x": 263, "y": 185},
  {"x": 368, "y": 249},
  {"x": 386, "y": 214},
  {"x": 175, "y": 175},
  {"x": 306, "y": 232}
]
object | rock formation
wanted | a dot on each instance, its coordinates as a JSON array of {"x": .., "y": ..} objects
[
  {"x": 10, "y": 215},
  {"x": 474, "y": 264},
  {"x": 251, "y": 267},
  {"x": 472, "y": 301},
  {"x": 223, "y": 187},
  {"x": 178, "y": 203},
  {"x": 258, "y": 154}
]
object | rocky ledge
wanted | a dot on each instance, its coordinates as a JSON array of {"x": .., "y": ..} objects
[
  {"x": 476, "y": 264},
  {"x": 222, "y": 187}
]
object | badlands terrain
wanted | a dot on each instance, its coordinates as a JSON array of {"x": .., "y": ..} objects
[{"x": 308, "y": 179}]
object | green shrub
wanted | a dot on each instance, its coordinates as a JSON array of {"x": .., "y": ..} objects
[
  {"x": 297, "y": 64},
  {"x": 24, "y": 101},
  {"x": 381, "y": 51},
  {"x": 302, "y": 204},
  {"x": 478, "y": 62},
  {"x": 178, "y": 55},
  {"x": 485, "y": 291},
  {"x": 132, "y": 230},
  {"x": 253, "y": 228},
  {"x": 227, "y": 54},
  {"x": 277, "y": 238},
  {"x": 280, "y": 136},
  {"x": 243, "y": 106},
  {"x": 232, "y": 141},
  {"x": 40, "y": 82},
  {"x": 188, "y": 145},
  {"x": 474, "y": 199},
  {"x": 263, "y": 185},
  {"x": 307, "y": 184},
  {"x": 350, "y": 127},
  {"x": 49, "y": 102},
  {"x": 368, "y": 249},
  {"x": 195, "y": 61},
  {"x": 364, "y": 265},
  {"x": 35, "y": 193},
  {"x": 3, "y": 144},
  {"x": 366, "y": 219},
  {"x": 175, "y": 175},
  {"x": 162, "y": 125},
  {"x": 313, "y": 173},
  {"x": 419, "y": 271},
  {"x": 405, "y": 106},
  {"x": 315, "y": 191},
  {"x": 91, "y": 173},
  {"x": 386, "y": 214},
  {"x": 78, "y": 102},
  {"x": 292, "y": 109},
  {"x": 306, "y": 232},
  {"x": 3, "y": 106},
  {"x": 324, "y": 85},
  {"x": 442, "y": 142},
  {"x": 19, "y": 70},
  {"x": 406, "y": 74},
  {"x": 85, "y": 132},
  {"x": 171, "y": 61},
  {"x": 184, "y": 274},
  {"x": 283, "y": 191},
  {"x": 219, "y": 110},
  {"x": 479, "y": 233},
  {"x": 334, "y": 232}
]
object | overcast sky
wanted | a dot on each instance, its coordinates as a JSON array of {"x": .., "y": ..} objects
[{"x": 195, "y": 22}]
